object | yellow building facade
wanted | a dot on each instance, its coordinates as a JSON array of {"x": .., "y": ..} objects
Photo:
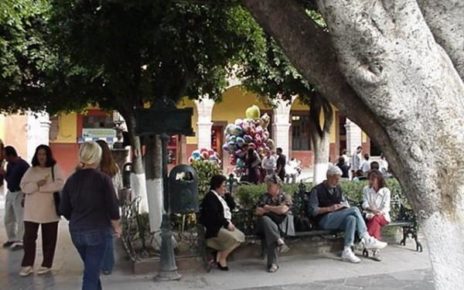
[{"x": 288, "y": 128}]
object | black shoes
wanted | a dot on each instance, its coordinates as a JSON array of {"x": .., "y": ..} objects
[{"x": 222, "y": 268}]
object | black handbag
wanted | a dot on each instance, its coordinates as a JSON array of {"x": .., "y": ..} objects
[{"x": 56, "y": 196}]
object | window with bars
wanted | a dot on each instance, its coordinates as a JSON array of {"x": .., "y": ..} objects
[{"x": 300, "y": 132}]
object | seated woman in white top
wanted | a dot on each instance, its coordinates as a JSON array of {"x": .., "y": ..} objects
[
  {"x": 376, "y": 204},
  {"x": 215, "y": 214}
]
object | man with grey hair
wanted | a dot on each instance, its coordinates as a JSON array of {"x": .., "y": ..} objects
[{"x": 329, "y": 207}]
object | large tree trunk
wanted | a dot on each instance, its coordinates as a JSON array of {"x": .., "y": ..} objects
[
  {"x": 320, "y": 147},
  {"x": 153, "y": 170},
  {"x": 137, "y": 178},
  {"x": 321, "y": 118},
  {"x": 407, "y": 97},
  {"x": 154, "y": 181},
  {"x": 389, "y": 56}
]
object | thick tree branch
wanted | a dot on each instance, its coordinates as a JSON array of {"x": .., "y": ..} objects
[
  {"x": 446, "y": 20},
  {"x": 310, "y": 50}
]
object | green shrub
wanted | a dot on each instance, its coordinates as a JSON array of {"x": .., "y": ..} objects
[
  {"x": 353, "y": 189},
  {"x": 248, "y": 195},
  {"x": 205, "y": 170}
]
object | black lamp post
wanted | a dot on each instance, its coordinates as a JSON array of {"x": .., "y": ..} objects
[
  {"x": 164, "y": 120},
  {"x": 168, "y": 269}
]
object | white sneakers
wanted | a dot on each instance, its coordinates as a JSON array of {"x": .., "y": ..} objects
[
  {"x": 26, "y": 271},
  {"x": 371, "y": 243},
  {"x": 348, "y": 255},
  {"x": 43, "y": 270}
]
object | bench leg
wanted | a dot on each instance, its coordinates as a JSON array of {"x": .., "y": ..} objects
[
  {"x": 418, "y": 244},
  {"x": 204, "y": 255},
  {"x": 413, "y": 232},
  {"x": 366, "y": 253},
  {"x": 209, "y": 258},
  {"x": 405, "y": 236},
  {"x": 208, "y": 262}
]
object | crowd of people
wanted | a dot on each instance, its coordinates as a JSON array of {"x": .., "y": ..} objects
[
  {"x": 358, "y": 167},
  {"x": 257, "y": 169},
  {"x": 38, "y": 195},
  {"x": 88, "y": 199},
  {"x": 355, "y": 167}
]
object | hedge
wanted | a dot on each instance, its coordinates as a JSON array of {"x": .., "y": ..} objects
[{"x": 248, "y": 195}]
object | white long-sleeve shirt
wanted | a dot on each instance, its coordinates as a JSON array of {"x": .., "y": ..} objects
[
  {"x": 379, "y": 200},
  {"x": 356, "y": 162},
  {"x": 269, "y": 163}
]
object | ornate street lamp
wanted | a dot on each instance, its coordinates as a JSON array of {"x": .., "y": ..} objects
[{"x": 164, "y": 120}]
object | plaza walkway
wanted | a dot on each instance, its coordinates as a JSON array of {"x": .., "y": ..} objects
[{"x": 402, "y": 268}]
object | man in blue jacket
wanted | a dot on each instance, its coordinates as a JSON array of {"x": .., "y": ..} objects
[{"x": 13, "y": 219}]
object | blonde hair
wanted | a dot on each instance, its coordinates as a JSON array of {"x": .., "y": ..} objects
[{"x": 90, "y": 153}]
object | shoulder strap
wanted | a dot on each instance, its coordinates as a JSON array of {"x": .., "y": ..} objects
[{"x": 53, "y": 173}]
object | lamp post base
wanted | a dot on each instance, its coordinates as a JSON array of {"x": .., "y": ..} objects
[
  {"x": 168, "y": 271},
  {"x": 168, "y": 276}
]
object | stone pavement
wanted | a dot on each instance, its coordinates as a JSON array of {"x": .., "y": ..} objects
[{"x": 402, "y": 268}]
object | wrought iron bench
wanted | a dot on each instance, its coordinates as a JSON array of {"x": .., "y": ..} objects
[{"x": 401, "y": 217}]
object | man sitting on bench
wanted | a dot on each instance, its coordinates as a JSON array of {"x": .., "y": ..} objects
[{"x": 332, "y": 212}]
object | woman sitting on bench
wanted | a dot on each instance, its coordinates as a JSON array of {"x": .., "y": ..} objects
[
  {"x": 216, "y": 216},
  {"x": 376, "y": 205}
]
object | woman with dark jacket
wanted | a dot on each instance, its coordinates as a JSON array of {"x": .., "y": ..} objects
[
  {"x": 216, "y": 216},
  {"x": 89, "y": 203},
  {"x": 252, "y": 163},
  {"x": 343, "y": 167}
]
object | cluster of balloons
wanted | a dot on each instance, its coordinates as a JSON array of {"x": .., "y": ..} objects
[
  {"x": 205, "y": 155},
  {"x": 250, "y": 132}
]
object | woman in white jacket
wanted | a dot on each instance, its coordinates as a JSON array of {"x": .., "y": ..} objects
[
  {"x": 376, "y": 204},
  {"x": 39, "y": 184}
]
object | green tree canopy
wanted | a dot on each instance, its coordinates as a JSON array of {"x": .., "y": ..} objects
[
  {"x": 149, "y": 49},
  {"x": 33, "y": 74}
]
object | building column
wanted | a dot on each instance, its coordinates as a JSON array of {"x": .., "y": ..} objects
[
  {"x": 205, "y": 107},
  {"x": 38, "y": 131},
  {"x": 281, "y": 125},
  {"x": 353, "y": 136}
]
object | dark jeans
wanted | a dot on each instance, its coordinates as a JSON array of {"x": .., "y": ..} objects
[
  {"x": 49, "y": 236},
  {"x": 108, "y": 258},
  {"x": 91, "y": 245}
]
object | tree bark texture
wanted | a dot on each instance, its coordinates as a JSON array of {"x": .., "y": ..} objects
[
  {"x": 385, "y": 71},
  {"x": 138, "y": 183},
  {"x": 446, "y": 20},
  {"x": 310, "y": 50}
]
